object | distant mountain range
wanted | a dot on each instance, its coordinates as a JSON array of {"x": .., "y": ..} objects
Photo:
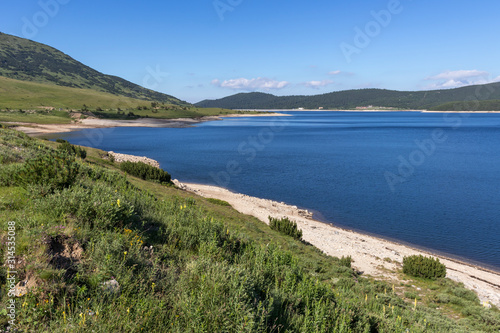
[
  {"x": 470, "y": 98},
  {"x": 26, "y": 60},
  {"x": 48, "y": 70}
]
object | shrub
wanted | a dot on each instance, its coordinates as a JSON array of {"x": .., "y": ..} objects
[
  {"x": 71, "y": 149},
  {"x": 442, "y": 298},
  {"x": 145, "y": 171},
  {"x": 425, "y": 267},
  {"x": 218, "y": 202},
  {"x": 345, "y": 261},
  {"x": 411, "y": 295},
  {"x": 465, "y": 294},
  {"x": 285, "y": 226},
  {"x": 55, "y": 170}
]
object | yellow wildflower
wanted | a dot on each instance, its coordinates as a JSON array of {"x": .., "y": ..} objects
[{"x": 118, "y": 202}]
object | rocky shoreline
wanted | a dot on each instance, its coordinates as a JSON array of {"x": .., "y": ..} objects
[{"x": 132, "y": 158}]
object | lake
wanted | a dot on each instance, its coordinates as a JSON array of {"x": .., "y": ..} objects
[{"x": 428, "y": 179}]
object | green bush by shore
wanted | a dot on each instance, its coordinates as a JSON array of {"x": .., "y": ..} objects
[
  {"x": 420, "y": 266},
  {"x": 285, "y": 226},
  {"x": 146, "y": 172}
]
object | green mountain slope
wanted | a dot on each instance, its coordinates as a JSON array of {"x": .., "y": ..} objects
[
  {"x": 25, "y": 60},
  {"x": 16, "y": 94},
  {"x": 349, "y": 99}
]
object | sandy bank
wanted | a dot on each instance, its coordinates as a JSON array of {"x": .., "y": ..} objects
[
  {"x": 370, "y": 254},
  {"x": 39, "y": 129}
]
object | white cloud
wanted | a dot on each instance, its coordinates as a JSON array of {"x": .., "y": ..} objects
[
  {"x": 458, "y": 75},
  {"x": 455, "y": 79},
  {"x": 338, "y": 72},
  {"x": 317, "y": 84},
  {"x": 260, "y": 83}
]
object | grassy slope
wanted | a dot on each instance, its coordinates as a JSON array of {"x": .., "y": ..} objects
[
  {"x": 16, "y": 94},
  {"x": 27, "y": 60},
  {"x": 210, "y": 268}
]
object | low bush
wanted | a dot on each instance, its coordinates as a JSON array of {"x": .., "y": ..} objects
[
  {"x": 55, "y": 170},
  {"x": 71, "y": 149},
  {"x": 345, "y": 261},
  {"x": 425, "y": 267},
  {"x": 218, "y": 202},
  {"x": 285, "y": 226},
  {"x": 146, "y": 172},
  {"x": 411, "y": 295}
]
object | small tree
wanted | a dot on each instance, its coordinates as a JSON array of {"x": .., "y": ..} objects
[
  {"x": 72, "y": 149},
  {"x": 285, "y": 226},
  {"x": 425, "y": 267}
]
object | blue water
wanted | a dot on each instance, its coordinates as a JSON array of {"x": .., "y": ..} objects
[{"x": 431, "y": 180}]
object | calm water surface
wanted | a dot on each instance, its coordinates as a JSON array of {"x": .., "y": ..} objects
[{"x": 431, "y": 180}]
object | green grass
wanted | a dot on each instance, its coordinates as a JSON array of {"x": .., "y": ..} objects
[
  {"x": 172, "y": 112},
  {"x": 15, "y": 94},
  {"x": 42, "y": 117},
  {"x": 26, "y": 60},
  {"x": 218, "y": 202},
  {"x": 43, "y": 103},
  {"x": 188, "y": 264}
]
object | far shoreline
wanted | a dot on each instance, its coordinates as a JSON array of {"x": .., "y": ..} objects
[
  {"x": 34, "y": 129},
  {"x": 359, "y": 110}
]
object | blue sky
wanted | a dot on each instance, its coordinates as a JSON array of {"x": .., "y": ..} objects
[{"x": 197, "y": 49}]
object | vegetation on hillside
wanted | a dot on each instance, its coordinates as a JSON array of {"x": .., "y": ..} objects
[
  {"x": 27, "y": 95},
  {"x": 106, "y": 252},
  {"x": 146, "y": 172},
  {"x": 489, "y": 105},
  {"x": 24, "y": 101},
  {"x": 424, "y": 267},
  {"x": 350, "y": 99},
  {"x": 286, "y": 227},
  {"x": 26, "y": 60},
  {"x": 72, "y": 150}
]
